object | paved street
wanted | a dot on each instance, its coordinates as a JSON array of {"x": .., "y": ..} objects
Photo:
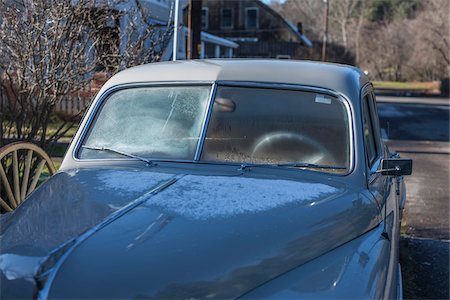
[{"x": 418, "y": 128}]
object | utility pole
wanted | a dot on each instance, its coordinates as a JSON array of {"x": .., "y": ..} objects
[
  {"x": 189, "y": 28},
  {"x": 175, "y": 31},
  {"x": 325, "y": 35}
]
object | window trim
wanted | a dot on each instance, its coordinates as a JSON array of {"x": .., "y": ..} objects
[
  {"x": 371, "y": 169},
  {"x": 368, "y": 145},
  {"x": 247, "y": 9},
  {"x": 221, "y": 18}
]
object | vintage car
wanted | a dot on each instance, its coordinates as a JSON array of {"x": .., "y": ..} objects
[{"x": 217, "y": 179}]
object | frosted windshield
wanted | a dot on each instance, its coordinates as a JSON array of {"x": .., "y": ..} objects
[
  {"x": 273, "y": 126},
  {"x": 158, "y": 122}
]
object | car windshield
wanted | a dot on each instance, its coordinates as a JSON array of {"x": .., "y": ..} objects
[
  {"x": 247, "y": 125},
  {"x": 273, "y": 126},
  {"x": 161, "y": 122}
]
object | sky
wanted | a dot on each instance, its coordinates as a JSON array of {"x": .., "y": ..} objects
[{"x": 268, "y": 1}]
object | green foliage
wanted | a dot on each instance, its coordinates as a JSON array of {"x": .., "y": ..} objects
[{"x": 390, "y": 10}]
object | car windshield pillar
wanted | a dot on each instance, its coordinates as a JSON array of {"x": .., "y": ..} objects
[{"x": 212, "y": 96}]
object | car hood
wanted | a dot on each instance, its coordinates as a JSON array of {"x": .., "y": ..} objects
[{"x": 202, "y": 236}]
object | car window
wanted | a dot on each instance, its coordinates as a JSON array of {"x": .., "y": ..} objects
[
  {"x": 369, "y": 136},
  {"x": 159, "y": 122},
  {"x": 272, "y": 126},
  {"x": 376, "y": 123}
]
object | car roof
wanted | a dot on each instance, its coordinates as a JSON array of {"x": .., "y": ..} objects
[{"x": 344, "y": 79}]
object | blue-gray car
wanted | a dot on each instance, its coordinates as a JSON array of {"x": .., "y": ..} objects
[{"x": 216, "y": 179}]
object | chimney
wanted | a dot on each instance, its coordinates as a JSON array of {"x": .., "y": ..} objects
[{"x": 300, "y": 27}]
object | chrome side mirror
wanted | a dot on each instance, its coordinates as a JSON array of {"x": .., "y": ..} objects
[{"x": 396, "y": 167}]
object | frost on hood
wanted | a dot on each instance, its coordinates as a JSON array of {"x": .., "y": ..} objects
[
  {"x": 129, "y": 181},
  {"x": 70, "y": 203},
  {"x": 204, "y": 197}
]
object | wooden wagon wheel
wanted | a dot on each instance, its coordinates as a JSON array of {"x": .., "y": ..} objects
[{"x": 21, "y": 162}]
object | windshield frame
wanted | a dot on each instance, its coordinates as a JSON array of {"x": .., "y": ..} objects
[{"x": 98, "y": 103}]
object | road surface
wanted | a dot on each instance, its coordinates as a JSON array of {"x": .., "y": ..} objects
[{"x": 418, "y": 128}]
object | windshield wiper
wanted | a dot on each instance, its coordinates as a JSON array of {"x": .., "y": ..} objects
[
  {"x": 312, "y": 166},
  {"x": 106, "y": 149},
  {"x": 293, "y": 165}
]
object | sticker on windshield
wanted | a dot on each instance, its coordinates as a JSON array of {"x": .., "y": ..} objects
[{"x": 323, "y": 99}]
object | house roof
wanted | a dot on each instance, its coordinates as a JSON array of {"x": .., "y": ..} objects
[
  {"x": 290, "y": 26},
  {"x": 345, "y": 79},
  {"x": 214, "y": 39}
]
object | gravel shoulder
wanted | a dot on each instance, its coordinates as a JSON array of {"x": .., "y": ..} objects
[{"x": 425, "y": 268}]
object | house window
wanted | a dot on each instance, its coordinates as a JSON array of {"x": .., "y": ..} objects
[
  {"x": 205, "y": 13},
  {"x": 227, "y": 18},
  {"x": 251, "y": 18}
]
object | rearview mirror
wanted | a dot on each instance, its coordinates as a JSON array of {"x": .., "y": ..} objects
[
  {"x": 224, "y": 105},
  {"x": 396, "y": 167}
]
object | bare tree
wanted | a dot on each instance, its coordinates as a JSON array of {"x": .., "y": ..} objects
[
  {"x": 139, "y": 39},
  {"x": 46, "y": 49},
  {"x": 51, "y": 50},
  {"x": 342, "y": 12},
  {"x": 392, "y": 39},
  {"x": 433, "y": 24},
  {"x": 309, "y": 12}
]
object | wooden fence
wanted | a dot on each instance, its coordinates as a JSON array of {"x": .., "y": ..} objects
[{"x": 70, "y": 105}]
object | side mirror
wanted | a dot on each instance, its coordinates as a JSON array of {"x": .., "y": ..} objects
[{"x": 396, "y": 167}]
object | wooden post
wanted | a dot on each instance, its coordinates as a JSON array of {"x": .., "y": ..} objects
[
  {"x": 325, "y": 35},
  {"x": 189, "y": 28},
  {"x": 196, "y": 27}
]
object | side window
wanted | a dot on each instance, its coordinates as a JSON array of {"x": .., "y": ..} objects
[
  {"x": 369, "y": 134},
  {"x": 376, "y": 123}
]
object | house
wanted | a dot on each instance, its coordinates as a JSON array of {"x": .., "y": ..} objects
[
  {"x": 258, "y": 29},
  {"x": 156, "y": 13},
  {"x": 160, "y": 12}
]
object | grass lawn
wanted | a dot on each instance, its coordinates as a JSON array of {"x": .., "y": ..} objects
[
  {"x": 51, "y": 129},
  {"x": 409, "y": 86}
]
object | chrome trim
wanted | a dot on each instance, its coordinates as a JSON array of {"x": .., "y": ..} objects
[
  {"x": 94, "y": 109},
  {"x": 373, "y": 171},
  {"x": 44, "y": 292},
  {"x": 372, "y": 174},
  {"x": 399, "y": 283},
  {"x": 201, "y": 140},
  {"x": 340, "y": 96}
]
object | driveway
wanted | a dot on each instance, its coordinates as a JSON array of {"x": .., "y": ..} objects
[{"x": 418, "y": 128}]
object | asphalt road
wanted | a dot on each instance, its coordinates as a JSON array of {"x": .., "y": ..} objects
[{"x": 418, "y": 128}]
